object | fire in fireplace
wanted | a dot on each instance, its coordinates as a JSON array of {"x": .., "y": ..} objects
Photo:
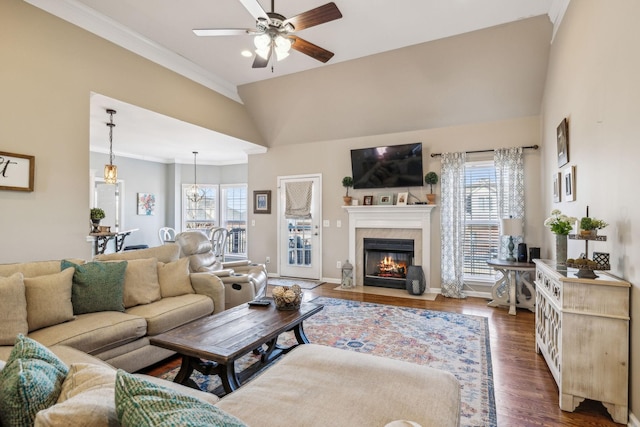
[{"x": 386, "y": 262}]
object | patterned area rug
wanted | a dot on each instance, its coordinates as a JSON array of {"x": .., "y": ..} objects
[
  {"x": 453, "y": 342},
  {"x": 288, "y": 281}
]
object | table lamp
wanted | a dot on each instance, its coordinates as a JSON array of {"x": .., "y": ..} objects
[{"x": 511, "y": 227}]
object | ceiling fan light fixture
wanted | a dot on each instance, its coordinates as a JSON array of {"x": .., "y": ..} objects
[
  {"x": 262, "y": 41},
  {"x": 282, "y": 47},
  {"x": 263, "y": 53}
]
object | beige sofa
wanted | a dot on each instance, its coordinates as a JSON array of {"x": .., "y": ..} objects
[
  {"x": 313, "y": 385},
  {"x": 159, "y": 294}
]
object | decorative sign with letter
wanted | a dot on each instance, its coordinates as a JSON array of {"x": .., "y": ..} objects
[{"x": 16, "y": 171}]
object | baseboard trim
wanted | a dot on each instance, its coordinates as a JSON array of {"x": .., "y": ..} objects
[{"x": 633, "y": 420}]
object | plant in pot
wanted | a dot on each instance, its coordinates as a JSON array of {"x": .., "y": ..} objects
[
  {"x": 96, "y": 214},
  {"x": 431, "y": 178},
  {"x": 347, "y": 182},
  {"x": 590, "y": 226}
]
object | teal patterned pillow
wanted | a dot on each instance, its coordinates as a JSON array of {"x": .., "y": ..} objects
[
  {"x": 97, "y": 286},
  {"x": 140, "y": 403},
  {"x": 30, "y": 381}
]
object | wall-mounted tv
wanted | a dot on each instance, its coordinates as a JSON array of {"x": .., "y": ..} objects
[{"x": 385, "y": 167}]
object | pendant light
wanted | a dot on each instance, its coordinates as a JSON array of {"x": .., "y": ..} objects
[
  {"x": 111, "y": 170},
  {"x": 194, "y": 194}
]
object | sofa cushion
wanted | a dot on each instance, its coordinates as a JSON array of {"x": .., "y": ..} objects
[
  {"x": 141, "y": 284},
  {"x": 94, "y": 332},
  {"x": 87, "y": 398},
  {"x": 35, "y": 268},
  {"x": 49, "y": 299},
  {"x": 165, "y": 253},
  {"x": 97, "y": 286},
  {"x": 142, "y": 403},
  {"x": 174, "y": 278},
  {"x": 30, "y": 381},
  {"x": 169, "y": 313},
  {"x": 13, "y": 306}
]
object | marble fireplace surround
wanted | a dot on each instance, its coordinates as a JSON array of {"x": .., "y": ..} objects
[{"x": 399, "y": 222}]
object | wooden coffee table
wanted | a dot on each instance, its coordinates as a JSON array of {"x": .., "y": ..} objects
[{"x": 211, "y": 345}]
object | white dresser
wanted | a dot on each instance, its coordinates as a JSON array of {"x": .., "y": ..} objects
[{"x": 582, "y": 330}]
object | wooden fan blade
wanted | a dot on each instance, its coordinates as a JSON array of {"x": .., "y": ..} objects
[
  {"x": 206, "y": 32},
  {"x": 319, "y": 15},
  {"x": 255, "y": 10},
  {"x": 308, "y": 48},
  {"x": 260, "y": 62}
]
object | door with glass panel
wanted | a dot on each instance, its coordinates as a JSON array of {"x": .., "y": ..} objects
[{"x": 299, "y": 219}]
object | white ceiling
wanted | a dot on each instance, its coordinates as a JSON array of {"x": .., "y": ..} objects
[{"x": 161, "y": 31}]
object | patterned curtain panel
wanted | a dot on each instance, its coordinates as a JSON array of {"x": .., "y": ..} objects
[
  {"x": 510, "y": 188},
  {"x": 298, "y": 199},
  {"x": 452, "y": 224}
]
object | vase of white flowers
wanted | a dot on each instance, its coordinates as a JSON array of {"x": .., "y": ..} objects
[{"x": 560, "y": 225}]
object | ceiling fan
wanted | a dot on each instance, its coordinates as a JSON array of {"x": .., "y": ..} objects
[{"x": 274, "y": 32}]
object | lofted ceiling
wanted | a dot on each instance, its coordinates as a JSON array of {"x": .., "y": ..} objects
[{"x": 161, "y": 30}]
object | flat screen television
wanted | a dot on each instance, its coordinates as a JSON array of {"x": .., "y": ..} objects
[{"x": 386, "y": 167}]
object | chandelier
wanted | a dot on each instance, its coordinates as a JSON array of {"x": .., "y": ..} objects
[
  {"x": 195, "y": 194},
  {"x": 111, "y": 170}
]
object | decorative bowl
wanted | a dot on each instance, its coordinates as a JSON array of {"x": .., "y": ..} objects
[{"x": 287, "y": 298}]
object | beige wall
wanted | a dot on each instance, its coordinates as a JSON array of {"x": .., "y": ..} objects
[
  {"x": 593, "y": 82},
  {"x": 49, "y": 68},
  {"x": 332, "y": 160}
]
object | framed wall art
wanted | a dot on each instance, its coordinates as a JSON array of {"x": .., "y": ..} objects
[
  {"x": 262, "y": 202},
  {"x": 146, "y": 204},
  {"x": 570, "y": 183},
  {"x": 16, "y": 171},
  {"x": 562, "y": 134},
  {"x": 557, "y": 180},
  {"x": 368, "y": 200},
  {"x": 385, "y": 199}
]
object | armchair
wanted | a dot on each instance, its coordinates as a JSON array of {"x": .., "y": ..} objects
[{"x": 243, "y": 280}]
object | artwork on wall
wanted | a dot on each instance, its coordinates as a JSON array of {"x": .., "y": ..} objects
[
  {"x": 146, "y": 204},
  {"x": 262, "y": 202},
  {"x": 570, "y": 184},
  {"x": 16, "y": 171},
  {"x": 385, "y": 199},
  {"x": 557, "y": 179},
  {"x": 368, "y": 200},
  {"x": 562, "y": 134},
  {"x": 402, "y": 199}
]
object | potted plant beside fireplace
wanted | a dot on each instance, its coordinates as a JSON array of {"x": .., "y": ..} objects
[{"x": 431, "y": 178}]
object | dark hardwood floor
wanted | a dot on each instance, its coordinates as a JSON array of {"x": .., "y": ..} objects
[{"x": 526, "y": 394}]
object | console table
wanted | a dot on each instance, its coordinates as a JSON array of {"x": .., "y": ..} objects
[
  {"x": 515, "y": 288},
  {"x": 101, "y": 239},
  {"x": 582, "y": 330}
]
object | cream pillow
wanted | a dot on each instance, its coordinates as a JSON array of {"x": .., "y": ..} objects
[
  {"x": 13, "y": 306},
  {"x": 88, "y": 393},
  {"x": 174, "y": 278},
  {"x": 49, "y": 299},
  {"x": 141, "y": 284}
]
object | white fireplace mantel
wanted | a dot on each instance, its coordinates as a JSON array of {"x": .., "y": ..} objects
[{"x": 392, "y": 216}]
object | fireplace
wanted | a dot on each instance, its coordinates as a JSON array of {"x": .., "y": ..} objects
[{"x": 386, "y": 262}]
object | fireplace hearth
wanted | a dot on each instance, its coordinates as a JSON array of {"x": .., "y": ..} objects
[{"x": 386, "y": 262}]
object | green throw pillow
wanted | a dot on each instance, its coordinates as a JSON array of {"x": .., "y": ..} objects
[
  {"x": 141, "y": 403},
  {"x": 30, "y": 381},
  {"x": 97, "y": 286}
]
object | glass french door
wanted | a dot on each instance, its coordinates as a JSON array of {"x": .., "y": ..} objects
[{"x": 300, "y": 241}]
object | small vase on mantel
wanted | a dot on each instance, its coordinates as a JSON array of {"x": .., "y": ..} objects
[{"x": 561, "y": 249}]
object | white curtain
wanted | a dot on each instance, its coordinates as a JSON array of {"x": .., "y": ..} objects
[
  {"x": 298, "y": 199},
  {"x": 509, "y": 166},
  {"x": 452, "y": 224}
]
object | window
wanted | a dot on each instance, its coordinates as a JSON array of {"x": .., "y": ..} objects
[
  {"x": 233, "y": 217},
  {"x": 201, "y": 214},
  {"x": 482, "y": 225}
]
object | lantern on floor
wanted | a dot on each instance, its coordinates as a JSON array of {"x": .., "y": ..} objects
[{"x": 347, "y": 275}]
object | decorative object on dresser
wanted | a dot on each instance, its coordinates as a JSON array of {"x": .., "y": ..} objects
[
  {"x": 347, "y": 182},
  {"x": 431, "y": 178},
  {"x": 582, "y": 330},
  {"x": 560, "y": 225},
  {"x": 511, "y": 227},
  {"x": 588, "y": 231}
]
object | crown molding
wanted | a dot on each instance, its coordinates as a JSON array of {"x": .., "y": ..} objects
[
  {"x": 88, "y": 19},
  {"x": 556, "y": 13}
]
